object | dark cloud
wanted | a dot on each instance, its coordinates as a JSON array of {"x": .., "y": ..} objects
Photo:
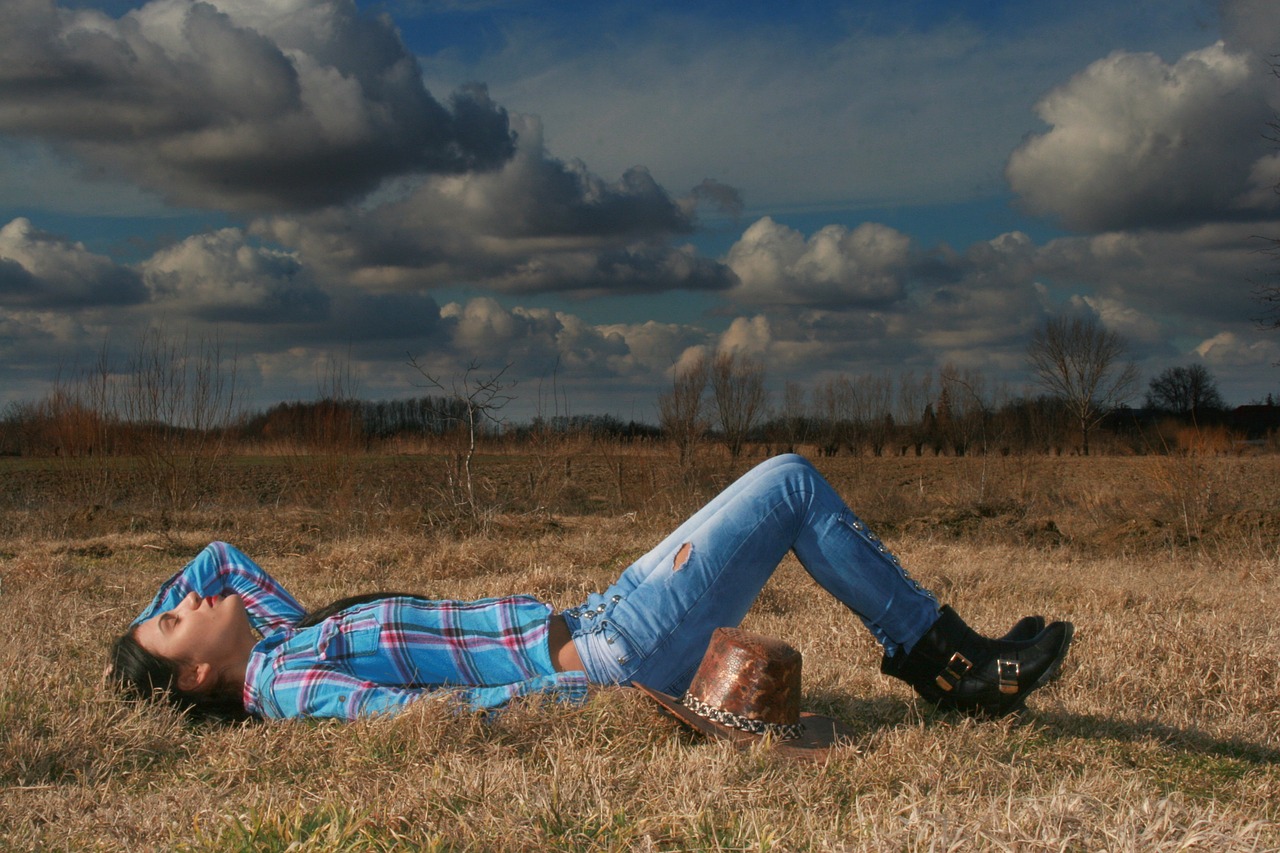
[
  {"x": 1252, "y": 25},
  {"x": 262, "y": 106},
  {"x": 1199, "y": 274},
  {"x": 724, "y": 198},
  {"x": 536, "y": 225},
  {"x": 16, "y": 281},
  {"x": 43, "y": 270},
  {"x": 372, "y": 320}
]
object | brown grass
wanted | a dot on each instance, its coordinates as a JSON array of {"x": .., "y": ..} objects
[{"x": 1162, "y": 734}]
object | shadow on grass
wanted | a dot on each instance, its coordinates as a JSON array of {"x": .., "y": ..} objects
[
  {"x": 1094, "y": 727},
  {"x": 871, "y": 715}
]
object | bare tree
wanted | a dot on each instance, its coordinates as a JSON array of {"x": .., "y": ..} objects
[
  {"x": 794, "y": 422},
  {"x": 1188, "y": 391},
  {"x": 913, "y": 397},
  {"x": 737, "y": 387},
  {"x": 832, "y": 414},
  {"x": 682, "y": 412},
  {"x": 1269, "y": 296},
  {"x": 1079, "y": 361},
  {"x": 873, "y": 396},
  {"x": 179, "y": 398},
  {"x": 964, "y": 409},
  {"x": 480, "y": 398},
  {"x": 338, "y": 427}
]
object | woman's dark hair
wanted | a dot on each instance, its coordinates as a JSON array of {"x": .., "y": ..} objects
[
  {"x": 315, "y": 617},
  {"x": 140, "y": 674}
]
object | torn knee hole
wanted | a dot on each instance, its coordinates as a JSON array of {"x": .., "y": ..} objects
[{"x": 682, "y": 557}]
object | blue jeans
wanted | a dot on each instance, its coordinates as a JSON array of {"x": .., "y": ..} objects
[{"x": 654, "y": 624}]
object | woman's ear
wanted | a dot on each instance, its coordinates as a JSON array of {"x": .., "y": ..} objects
[{"x": 195, "y": 677}]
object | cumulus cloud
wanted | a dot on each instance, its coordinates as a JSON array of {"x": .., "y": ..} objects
[
  {"x": 1136, "y": 142},
  {"x": 836, "y": 266},
  {"x": 657, "y": 346},
  {"x": 217, "y": 276},
  {"x": 244, "y": 104},
  {"x": 536, "y": 225},
  {"x": 1125, "y": 320},
  {"x": 747, "y": 336},
  {"x": 29, "y": 335},
  {"x": 483, "y": 328},
  {"x": 1228, "y": 349},
  {"x": 43, "y": 270}
]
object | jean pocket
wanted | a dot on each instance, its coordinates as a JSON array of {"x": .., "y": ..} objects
[{"x": 616, "y": 642}]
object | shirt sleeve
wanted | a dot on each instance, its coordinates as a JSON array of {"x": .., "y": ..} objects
[
  {"x": 222, "y": 569},
  {"x": 334, "y": 694}
]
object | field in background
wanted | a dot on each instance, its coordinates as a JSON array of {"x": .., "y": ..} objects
[{"x": 1162, "y": 734}]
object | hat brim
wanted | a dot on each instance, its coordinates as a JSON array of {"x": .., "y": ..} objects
[{"x": 820, "y": 733}]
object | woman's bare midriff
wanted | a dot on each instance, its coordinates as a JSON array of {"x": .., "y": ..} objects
[{"x": 564, "y": 656}]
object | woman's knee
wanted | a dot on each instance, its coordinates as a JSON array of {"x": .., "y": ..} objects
[
  {"x": 787, "y": 466},
  {"x": 784, "y": 461}
]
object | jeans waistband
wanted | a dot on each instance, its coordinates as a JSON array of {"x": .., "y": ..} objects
[{"x": 598, "y": 653}]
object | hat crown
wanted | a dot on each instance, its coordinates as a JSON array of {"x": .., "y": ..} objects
[{"x": 750, "y": 676}]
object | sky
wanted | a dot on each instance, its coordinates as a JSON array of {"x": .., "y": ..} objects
[{"x": 585, "y": 196}]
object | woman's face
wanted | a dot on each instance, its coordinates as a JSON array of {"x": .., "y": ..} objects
[{"x": 198, "y": 630}]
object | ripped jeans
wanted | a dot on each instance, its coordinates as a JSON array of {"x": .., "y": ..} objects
[{"x": 654, "y": 624}]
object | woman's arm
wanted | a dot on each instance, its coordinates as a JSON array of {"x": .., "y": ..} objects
[
  {"x": 329, "y": 693},
  {"x": 222, "y": 569}
]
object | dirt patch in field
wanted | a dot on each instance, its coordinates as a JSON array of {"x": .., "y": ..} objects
[
  {"x": 1010, "y": 525},
  {"x": 983, "y": 523},
  {"x": 1232, "y": 528}
]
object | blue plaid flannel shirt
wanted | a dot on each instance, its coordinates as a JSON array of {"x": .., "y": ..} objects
[{"x": 380, "y": 656}]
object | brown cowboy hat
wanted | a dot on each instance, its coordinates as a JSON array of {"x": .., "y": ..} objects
[{"x": 747, "y": 690}]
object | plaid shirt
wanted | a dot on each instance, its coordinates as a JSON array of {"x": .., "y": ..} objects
[{"x": 378, "y": 656}]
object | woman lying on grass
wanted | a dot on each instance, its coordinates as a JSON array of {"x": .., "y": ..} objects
[{"x": 222, "y": 638}]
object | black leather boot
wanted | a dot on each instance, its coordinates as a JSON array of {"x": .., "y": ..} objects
[
  {"x": 955, "y": 667},
  {"x": 1025, "y": 628}
]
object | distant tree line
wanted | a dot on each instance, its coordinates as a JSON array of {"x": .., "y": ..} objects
[
  {"x": 174, "y": 406},
  {"x": 62, "y": 425}
]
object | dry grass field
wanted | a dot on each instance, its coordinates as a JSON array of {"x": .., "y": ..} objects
[{"x": 1163, "y": 732}]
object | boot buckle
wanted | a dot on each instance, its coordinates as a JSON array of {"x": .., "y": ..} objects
[
  {"x": 1009, "y": 670},
  {"x": 957, "y": 668}
]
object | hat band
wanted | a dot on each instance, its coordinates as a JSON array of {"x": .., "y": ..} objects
[{"x": 782, "y": 731}]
